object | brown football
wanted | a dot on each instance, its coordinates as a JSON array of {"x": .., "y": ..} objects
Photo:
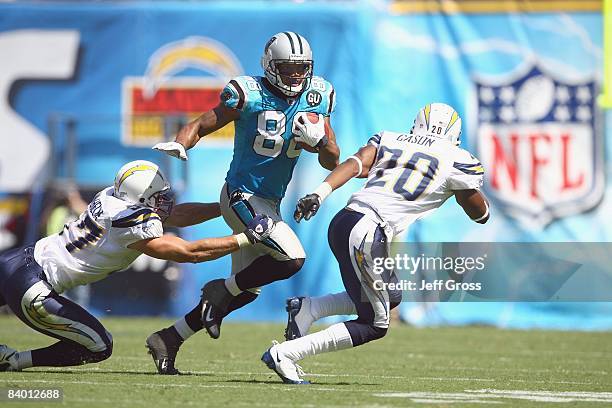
[{"x": 313, "y": 117}]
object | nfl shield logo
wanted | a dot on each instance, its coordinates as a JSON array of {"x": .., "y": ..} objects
[{"x": 540, "y": 142}]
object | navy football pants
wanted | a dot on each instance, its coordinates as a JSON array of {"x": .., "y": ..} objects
[
  {"x": 356, "y": 241},
  {"x": 24, "y": 288}
]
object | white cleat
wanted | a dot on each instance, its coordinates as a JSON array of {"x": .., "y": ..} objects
[
  {"x": 8, "y": 359},
  {"x": 299, "y": 318},
  {"x": 284, "y": 367}
]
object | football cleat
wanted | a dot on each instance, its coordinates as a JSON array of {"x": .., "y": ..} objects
[
  {"x": 285, "y": 368},
  {"x": 8, "y": 359},
  {"x": 211, "y": 319},
  {"x": 299, "y": 318},
  {"x": 216, "y": 294},
  {"x": 163, "y": 348}
]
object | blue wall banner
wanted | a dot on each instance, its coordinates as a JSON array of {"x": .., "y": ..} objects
[{"x": 101, "y": 83}]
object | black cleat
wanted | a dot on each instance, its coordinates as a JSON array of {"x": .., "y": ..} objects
[
  {"x": 215, "y": 293},
  {"x": 211, "y": 319},
  {"x": 163, "y": 347}
]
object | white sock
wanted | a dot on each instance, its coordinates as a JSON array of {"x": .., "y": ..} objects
[
  {"x": 334, "y": 338},
  {"x": 334, "y": 304},
  {"x": 183, "y": 328},
  {"x": 24, "y": 359},
  {"x": 232, "y": 286}
]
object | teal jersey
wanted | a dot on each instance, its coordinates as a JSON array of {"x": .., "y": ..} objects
[{"x": 265, "y": 150}]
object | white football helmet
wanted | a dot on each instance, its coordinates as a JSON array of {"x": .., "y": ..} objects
[
  {"x": 287, "y": 63},
  {"x": 142, "y": 183},
  {"x": 438, "y": 120}
]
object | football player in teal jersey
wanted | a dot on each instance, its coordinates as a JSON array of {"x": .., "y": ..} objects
[{"x": 276, "y": 116}]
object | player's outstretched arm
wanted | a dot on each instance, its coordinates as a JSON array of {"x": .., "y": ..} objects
[
  {"x": 474, "y": 203},
  {"x": 172, "y": 248},
  {"x": 330, "y": 153},
  {"x": 357, "y": 165},
  {"x": 191, "y": 133},
  {"x": 186, "y": 214}
]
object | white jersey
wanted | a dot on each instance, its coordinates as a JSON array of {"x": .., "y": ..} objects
[
  {"x": 412, "y": 176},
  {"x": 96, "y": 245}
]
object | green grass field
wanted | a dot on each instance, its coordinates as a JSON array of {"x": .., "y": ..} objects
[{"x": 410, "y": 367}]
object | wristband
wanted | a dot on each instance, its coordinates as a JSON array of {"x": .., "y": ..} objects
[
  {"x": 323, "y": 190},
  {"x": 242, "y": 240},
  {"x": 485, "y": 215},
  {"x": 359, "y": 163}
]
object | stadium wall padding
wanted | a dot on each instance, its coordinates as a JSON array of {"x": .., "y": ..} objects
[{"x": 384, "y": 67}]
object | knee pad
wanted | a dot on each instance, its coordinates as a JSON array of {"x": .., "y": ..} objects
[
  {"x": 395, "y": 298},
  {"x": 106, "y": 353},
  {"x": 378, "y": 332},
  {"x": 287, "y": 269},
  {"x": 363, "y": 332},
  {"x": 97, "y": 356}
]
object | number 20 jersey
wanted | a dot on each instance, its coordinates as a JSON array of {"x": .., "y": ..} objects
[
  {"x": 265, "y": 151},
  {"x": 412, "y": 176},
  {"x": 96, "y": 244}
]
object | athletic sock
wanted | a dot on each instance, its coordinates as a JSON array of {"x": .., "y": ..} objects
[
  {"x": 190, "y": 324},
  {"x": 232, "y": 286},
  {"x": 334, "y": 338},
  {"x": 334, "y": 304}
]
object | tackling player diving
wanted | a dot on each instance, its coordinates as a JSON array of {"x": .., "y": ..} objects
[
  {"x": 270, "y": 114},
  {"x": 409, "y": 175},
  {"x": 121, "y": 223}
]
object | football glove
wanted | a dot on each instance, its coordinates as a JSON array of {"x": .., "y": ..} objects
[
  {"x": 307, "y": 132},
  {"x": 306, "y": 207},
  {"x": 259, "y": 228},
  {"x": 173, "y": 149}
]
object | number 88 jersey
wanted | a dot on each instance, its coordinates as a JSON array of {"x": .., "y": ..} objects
[
  {"x": 265, "y": 150},
  {"x": 412, "y": 176}
]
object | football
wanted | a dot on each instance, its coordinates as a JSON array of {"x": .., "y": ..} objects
[{"x": 312, "y": 118}]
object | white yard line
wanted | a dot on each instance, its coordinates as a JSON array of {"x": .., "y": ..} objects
[{"x": 485, "y": 395}]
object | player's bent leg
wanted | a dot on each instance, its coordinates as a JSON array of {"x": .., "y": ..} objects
[
  {"x": 216, "y": 307},
  {"x": 302, "y": 311},
  {"x": 362, "y": 332},
  {"x": 238, "y": 208},
  {"x": 286, "y": 354},
  {"x": 82, "y": 337},
  {"x": 265, "y": 270},
  {"x": 348, "y": 232},
  {"x": 279, "y": 257}
]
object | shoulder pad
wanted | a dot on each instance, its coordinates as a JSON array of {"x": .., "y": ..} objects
[
  {"x": 240, "y": 91},
  {"x": 375, "y": 139},
  {"x": 320, "y": 84},
  {"x": 467, "y": 163},
  {"x": 321, "y": 94},
  {"x": 134, "y": 216}
]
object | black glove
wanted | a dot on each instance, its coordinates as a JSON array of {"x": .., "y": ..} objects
[
  {"x": 259, "y": 228},
  {"x": 306, "y": 207}
]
